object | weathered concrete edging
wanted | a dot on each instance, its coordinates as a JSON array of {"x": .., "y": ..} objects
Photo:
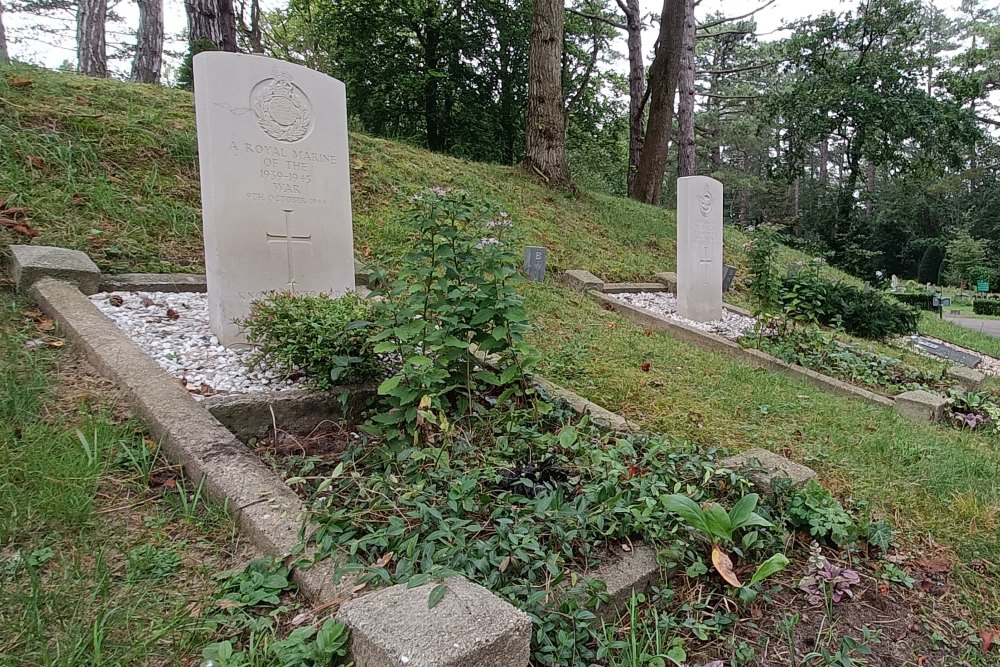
[
  {"x": 268, "y": 512},
  {"x": 723, "y": 345}
]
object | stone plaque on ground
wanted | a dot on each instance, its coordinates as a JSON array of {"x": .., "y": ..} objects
[
  {"x": 534, "y": 262},
  {"x": 939, "y": 350},
  {"x": 699, "y": 248},
  {"x": 275, "y": 182}
]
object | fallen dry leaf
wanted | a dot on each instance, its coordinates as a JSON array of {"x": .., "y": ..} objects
[
  {"x": 14, "y": 213},
  {"x": 988, "y": 637},
  {"x": 206, "y": 389},
  {"x": 116, "y": 300},
  {"x": 934, "y": 564},
  {"x": 649, "y": 331},
  {"x": 78, "y": 200},
  {"x": 20, "y": 82},
  {"x": 36, "y": 162},
  {"x": 504, "y": 564},
  {"x": 115, "y": 180},
  {"x": 19, "y": 228},
  {"x": 384, "y": 559},
  {"x": 724, "y": 566},
  {"x": 609, "y": 325},
  {"x": 45, "y": 324},
  {"x": 626, "y": 547},
  {"x": 82, "y": 101},
  {"x": 173, "y": 314},
  {"x": 178, "y": 126},
  {"x": 170, "y": 483},
  {"x": 646, "y": 366}
]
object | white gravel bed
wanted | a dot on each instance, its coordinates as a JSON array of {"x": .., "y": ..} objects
[
  {"x": 988, "y": 366},
  {"x": 173, "y": 329},
  {"x": 732, "y": 325}
]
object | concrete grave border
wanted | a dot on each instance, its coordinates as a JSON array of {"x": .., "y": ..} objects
[
  {"x": 204, "y": 439},
  {"x": 717, "y": 343}
]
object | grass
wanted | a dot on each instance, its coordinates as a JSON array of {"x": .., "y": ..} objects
[
  {"x": 119, "y": 180},
  {"x": 94, "y": 569}
]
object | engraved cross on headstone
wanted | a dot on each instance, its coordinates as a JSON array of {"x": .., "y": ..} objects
[
  {"x": 288, "y": 239},
  {"x": 706, "y": 264}
]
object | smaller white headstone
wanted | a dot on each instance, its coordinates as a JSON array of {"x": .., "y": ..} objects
[
  {"x": 275, "y": 182},
  {"x": 895, "y": 282},
  {"x": 699, "y": 248}
]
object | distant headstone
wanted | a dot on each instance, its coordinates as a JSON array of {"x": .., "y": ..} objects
[
  {"x": 895, "y": 282},
  {"x": 728, "y": 273},
  {"x": 275, "y": 182},
  {"x": 534, "y": 262},
  {"x": 699, "y": 248},
  {"x": 946, "y": 352}
]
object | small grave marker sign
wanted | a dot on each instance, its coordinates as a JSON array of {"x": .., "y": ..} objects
[{"x": 534, "y": 262}]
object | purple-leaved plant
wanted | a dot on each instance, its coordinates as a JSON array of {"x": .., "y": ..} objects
[{"x": 824, "y": 578}]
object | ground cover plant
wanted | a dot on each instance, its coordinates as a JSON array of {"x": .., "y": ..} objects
[{"x": 940, "y": 486}]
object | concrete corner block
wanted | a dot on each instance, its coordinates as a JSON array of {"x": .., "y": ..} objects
[
  {"x": 469, "y": 627},
  {"x": 582, "y": 281},
  {"x": 32, "y": 262},
  {"x": 774, "y": 466},
  {"x": 633, "y": 571},
  {"x": 967, "y": 378},
  {"x": 668, "y": 279},
  {"x": 921, "y": 406},
  {"x": 154, "y": 282}
]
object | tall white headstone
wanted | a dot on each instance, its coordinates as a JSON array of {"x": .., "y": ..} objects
[
  {"x": 699, "y": 248},
  {"x": 275, "y": 182}
]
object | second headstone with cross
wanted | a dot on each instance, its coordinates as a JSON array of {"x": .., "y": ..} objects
[
  {"x": 699, "y": 248},
  {"x": 275, "y": 182}
]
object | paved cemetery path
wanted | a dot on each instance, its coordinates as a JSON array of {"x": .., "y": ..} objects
[{"x": 991, "y": 327}]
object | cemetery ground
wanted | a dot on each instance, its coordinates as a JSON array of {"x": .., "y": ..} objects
[{"x": 110, "y": 169}]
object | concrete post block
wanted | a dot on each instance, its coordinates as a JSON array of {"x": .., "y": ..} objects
[
  {"x": 582, "y": 281},
  {"x": 968, "y": 379},
  {"x": 633, "y": 571},
  {"x": 921, "y": 406},
  {"x": 668, "y": 279},
  {"x": 774, "y": 467},
  {"x": 31, "y": 262},
  {"x": 469, "y": 627}
]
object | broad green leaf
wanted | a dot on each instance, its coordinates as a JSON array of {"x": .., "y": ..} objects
[
  {"x": 436, "y": 594},
  {"x": 389, "y": 384},
  {"x": 742, "y": 510},
  {"x": 567, "y": 436},
  {"x": 688, "y": 510},
  {"x": 717, "y": 521},
  {"x": 771, "y": 566}
]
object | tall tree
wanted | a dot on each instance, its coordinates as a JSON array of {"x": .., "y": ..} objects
[
  {"x": 663, "y": 75},
  {"x": 545, "y": 125},
  {"x": 685, "y": 106},
  {"x": 148, "y": 60},
  {"x": 636, "y": 85},
  {"x": 92, "y": 58},
  {"x": 213, "y": 21},
  {"x": 4, "y": 57}
]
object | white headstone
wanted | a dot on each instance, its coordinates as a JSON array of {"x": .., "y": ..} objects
[
  {"x": 699, "y": 248},
  {"x": 275, "y": 182}
]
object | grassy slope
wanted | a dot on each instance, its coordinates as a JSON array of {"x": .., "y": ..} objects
[{"x": 139, "y": 213}]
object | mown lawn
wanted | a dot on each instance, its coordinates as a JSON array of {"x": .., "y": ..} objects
[{"x": 96, "y": 567}]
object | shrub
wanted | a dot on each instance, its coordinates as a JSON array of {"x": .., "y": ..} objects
[
  {"x": 327, "y": 338},
  {"x": 456, "y": 293},
  {"x": 807, "y": 295},
  {"x": 922, "y": 301},
  {"x": 929, "y": 268},
  {"x": 986, "y": 306}
]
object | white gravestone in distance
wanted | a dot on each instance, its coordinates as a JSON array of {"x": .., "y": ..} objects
[
  {"x": 275, "y": 182},
  {"x": 699, "y": 248}
]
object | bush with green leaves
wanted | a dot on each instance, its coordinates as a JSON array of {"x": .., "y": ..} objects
[
  {"x": 811, "y": 507},
  {"x": 327, "y": 338},
  {"x": 455, "y": 294},
  {"x": 920, "y": 300},
  {"x": 304, "y": 647},
  {"x": 986, "y": 306}
]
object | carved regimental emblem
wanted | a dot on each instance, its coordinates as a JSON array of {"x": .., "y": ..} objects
[
  {"x": 706, "y": 202},
  {"x": 282, "y": 109}
]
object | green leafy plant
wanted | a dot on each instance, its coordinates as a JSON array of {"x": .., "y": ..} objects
[
  {"x": 326, "y": 338},
  {"x": 765, "y": 283},
  {"x": 812, "y": 507},
  {"x": 713, "y": 521},
  {"x": 895, "y": 574},
  {"x": 455, "y": 295},
  {"x": 259, "y": 584},
  {"x": 150, "y": 563},
  {"x": 305, "y": 647}
]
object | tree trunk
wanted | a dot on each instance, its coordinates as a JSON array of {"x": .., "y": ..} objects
[
  {"x": 4, "y": 57},
  {"x": 252, "y": 30},
  {"x": 149, "y": 42},
  {"x": 545, "y": 126},
  {"x": 636, "y": 86},
  {"x": 212, "y": 20},
  {"x": 227, "y": 26},
  {"x": 663, "y": 74},
  {"x": 824, "y": 161},
  {"x": 685, "y": 85},
  {"x": 92, "y": 58}
]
